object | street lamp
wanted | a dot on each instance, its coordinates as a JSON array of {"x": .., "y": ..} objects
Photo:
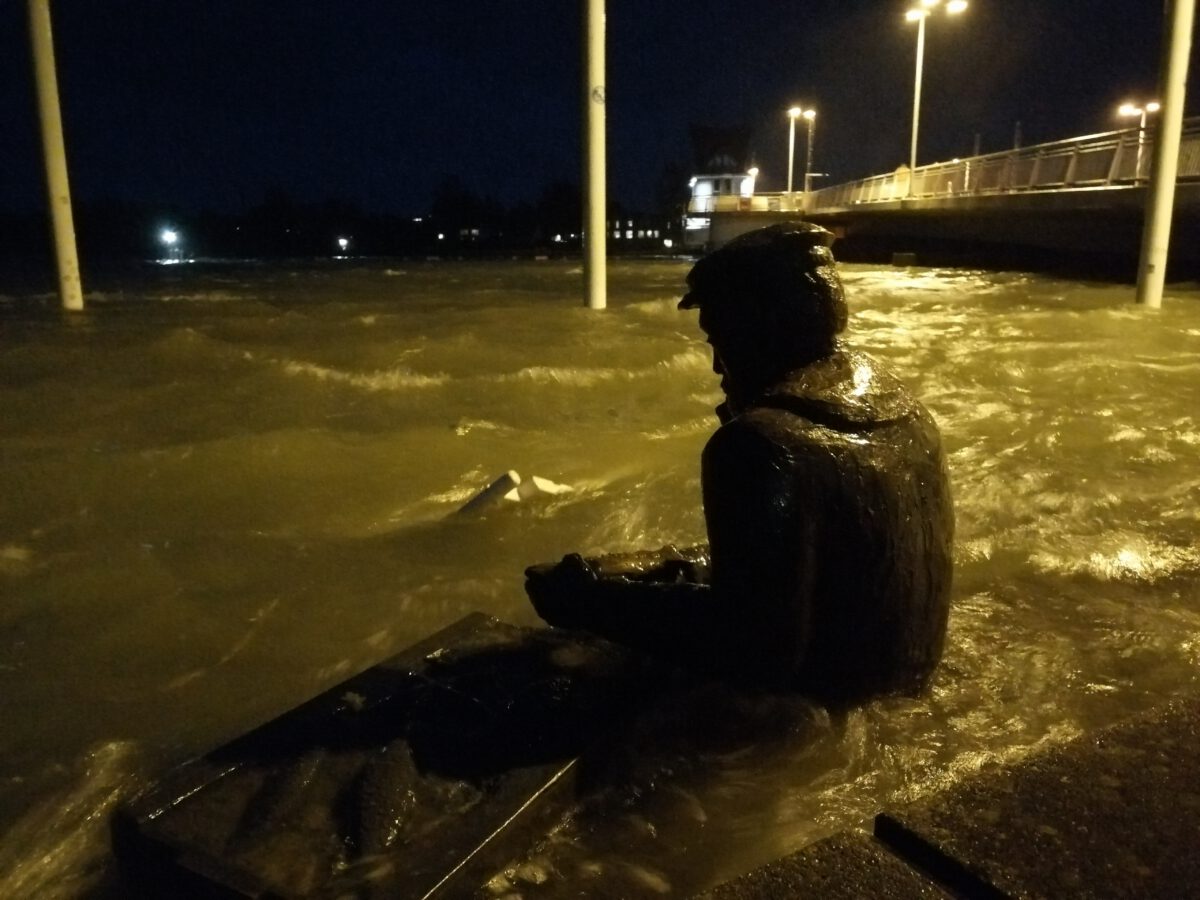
[
  {"x": 170, "y": 238},
  {"x": 810, "y": 115},
  {"x": 793, "y": 114},
  {"x": 1132, "y": 109},
  {"x": 919, "y": 14}
]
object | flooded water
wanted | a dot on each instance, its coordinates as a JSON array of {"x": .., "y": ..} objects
[{"x": 227, "y": 487}]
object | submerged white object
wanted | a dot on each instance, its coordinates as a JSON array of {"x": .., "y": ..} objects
[
  {"x": 535, "y": 487},
  {"x": 510, "y": 487}
]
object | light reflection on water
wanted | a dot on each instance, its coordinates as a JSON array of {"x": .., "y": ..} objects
[{"x": 224, "y": 491}]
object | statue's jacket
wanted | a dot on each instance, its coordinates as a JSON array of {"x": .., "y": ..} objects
[{"x": 830, "y": 526}]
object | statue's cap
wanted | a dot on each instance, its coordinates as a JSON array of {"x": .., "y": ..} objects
[
  {"x": 786, "y": 269},
  {"x": 777, "y": 260}
]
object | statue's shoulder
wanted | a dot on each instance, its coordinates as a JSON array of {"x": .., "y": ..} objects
[{"x": 847, "y": 390}]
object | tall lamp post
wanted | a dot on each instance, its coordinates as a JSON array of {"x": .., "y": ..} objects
[
  {"x": 810, "y": 116},
  {"x": 793, "y": 114},
  {"x": 919, "y": 14},
  {"x": 1130, "y": 110}
]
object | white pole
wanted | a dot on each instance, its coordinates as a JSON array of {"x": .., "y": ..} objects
[
  {"x": 1141, "y": 146},
  {"x": 791, "y": 148},
  {"x": 54, "y": 151},
  {"x": 812, "y": 121},
  {"x": 912, "y": 156},
  {"x": 1164, "y": 166},
  {"x": 595, "y": 226}
]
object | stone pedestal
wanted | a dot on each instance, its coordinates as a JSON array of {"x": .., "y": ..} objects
[{"x": 416, "y": 778}]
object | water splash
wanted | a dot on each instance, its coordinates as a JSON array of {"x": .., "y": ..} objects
[{"x": 59, "y": 849}]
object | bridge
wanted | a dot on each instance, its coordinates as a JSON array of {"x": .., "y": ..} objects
[{"x": 1083, "y": 197}]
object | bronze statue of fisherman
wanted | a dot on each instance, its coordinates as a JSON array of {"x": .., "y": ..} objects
[{"x": 826, "y": 500}]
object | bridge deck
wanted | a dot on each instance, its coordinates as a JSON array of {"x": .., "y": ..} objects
[{"x": 1081, "y": 195}]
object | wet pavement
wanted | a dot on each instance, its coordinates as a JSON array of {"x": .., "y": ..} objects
[{"x": 1114, "y": 814}]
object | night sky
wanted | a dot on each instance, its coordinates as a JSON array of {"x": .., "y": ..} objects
[{"x": 208, "y": 103}]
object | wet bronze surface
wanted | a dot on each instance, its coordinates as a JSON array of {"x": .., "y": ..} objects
[{"x": 409, "y": 779}]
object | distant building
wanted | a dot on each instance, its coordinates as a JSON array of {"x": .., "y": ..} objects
[
  {"x": 725, "y": 192},
  {"x": 722, "y": 152},
  {"x": 639, "y": 234}
]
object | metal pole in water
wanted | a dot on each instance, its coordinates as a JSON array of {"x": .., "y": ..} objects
[
  {"x": 1164, "y": 166},
  {"x": 54, "y": 151},
  {"x": 595, "y": 227}
]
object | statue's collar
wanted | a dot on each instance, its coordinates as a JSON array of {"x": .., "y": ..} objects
[{"x": 844, "y": 387}]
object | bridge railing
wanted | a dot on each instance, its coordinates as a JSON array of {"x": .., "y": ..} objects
[{"x": 1096, "y": 160}]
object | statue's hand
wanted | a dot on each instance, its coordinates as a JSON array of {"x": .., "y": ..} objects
[
  {"x": 668, "y": 565},
  {"x": 561, "y": 591}
]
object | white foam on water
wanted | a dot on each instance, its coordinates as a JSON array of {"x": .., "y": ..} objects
[
  {"x": 1128, "y": 558},
  {"x": 573, "y": 377},
  {"x": 694, "y": 359},
  {"x": 704, "y": 425},
  {"x": 466, "y": 426},
  {"x": 59, "y": 848},
  {"x": 400, "y": 379},
  {"x": 16, "y": 560}
]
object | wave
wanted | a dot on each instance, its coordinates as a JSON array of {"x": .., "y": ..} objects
[
  {"x": 702, "y": 425},
  {"x": 685, "y": 361},
  {"x": 465, "y": 426},
  {"x": 565, "y": 375},
  {"x": 1130, "y": 559},
  {"x": 661, "y": 308},
  {"x": 184, "y": 338},
  {"x": 15, "y": 560},
  {"x": 378, "y": 381},
  {"x": 210, "y": 296}
]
